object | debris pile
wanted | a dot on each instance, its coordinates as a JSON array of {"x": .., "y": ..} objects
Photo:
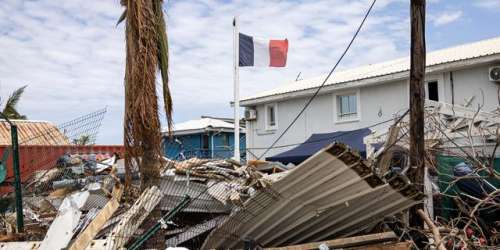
[
  {"x": 81, "y": 198},
  {"x": 81, "y": 203},
  {"x": 462, "y": 206}
]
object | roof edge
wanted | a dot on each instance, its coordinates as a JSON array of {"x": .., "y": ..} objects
[{"x": 383, "y": 79}]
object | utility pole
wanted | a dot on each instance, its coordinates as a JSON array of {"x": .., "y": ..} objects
[{"x": 417, "y": 99}]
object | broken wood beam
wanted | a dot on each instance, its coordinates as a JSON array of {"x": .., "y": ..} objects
[
  {"x": 133, "y": 218},
  {"x": 435, "y": 231},
  {"x": 385, "y": 160},
  {"x": 390, "y": 246},
  {"x": 344, "y": 242},
  {"x": 84, "y": 239}
]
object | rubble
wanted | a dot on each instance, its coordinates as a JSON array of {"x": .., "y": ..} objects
[
  {"x": 79, "y": 203},
  {"x": 331, "y": 194},
  {"x": 462, "y": 173}
]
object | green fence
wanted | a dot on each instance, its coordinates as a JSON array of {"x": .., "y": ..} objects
[{"x": 445, "y": 177}]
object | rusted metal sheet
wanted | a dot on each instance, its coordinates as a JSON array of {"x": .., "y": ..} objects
[
  {"x": 33, "y": 133},
  {"x": 331, "y": 194}
]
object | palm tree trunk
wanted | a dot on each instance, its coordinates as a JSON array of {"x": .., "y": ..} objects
[
  {"x": 146, "y": 51},
  {"x": 142, "y": 124}
]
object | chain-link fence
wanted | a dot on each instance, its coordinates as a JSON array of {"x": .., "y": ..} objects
[{"x": 43, "y": 147}]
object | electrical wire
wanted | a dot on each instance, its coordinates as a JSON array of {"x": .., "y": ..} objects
[{"x": 324, "y": 82}]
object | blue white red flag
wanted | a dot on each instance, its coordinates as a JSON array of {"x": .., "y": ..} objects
[{"x": 255, "y": 51}]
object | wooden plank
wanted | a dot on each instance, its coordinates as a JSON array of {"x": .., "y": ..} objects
[
  {"x": 34, "y": 245},
  {"x": 385, "y": 160},
  {"x": 133, "y": 218},
  {"x": 85, "y": 238},
  {"x": 344, "y": 242},
  {"x": 391, "y": 246}
]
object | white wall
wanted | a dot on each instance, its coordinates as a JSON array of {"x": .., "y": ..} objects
[
  {"x": 473, "y": 82},
  {"x": 377, "y": 103}
]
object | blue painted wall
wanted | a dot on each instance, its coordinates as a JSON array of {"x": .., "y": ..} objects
[{"x": 201, "y": 146}]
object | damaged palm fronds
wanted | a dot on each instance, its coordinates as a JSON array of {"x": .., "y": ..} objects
[
  {"x": 331, "y": 194},
  {"x": 146, "y": 52},
  {"x": 462, "y": 206}
]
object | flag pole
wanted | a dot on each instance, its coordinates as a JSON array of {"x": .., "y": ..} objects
[{"x": 236, "y": 78}]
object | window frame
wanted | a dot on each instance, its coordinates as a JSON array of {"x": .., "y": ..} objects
[
  {"x": 275, "y": 109},
  {"x": 225, "y": 141},
  {"x": 337, "y": 106},
  {"x": 426, "y": 89}
]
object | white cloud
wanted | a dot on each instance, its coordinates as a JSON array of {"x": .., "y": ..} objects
[
  {"x": 489, "y": 4},
  {"x": 72, "y": 56},
  {"x": 446, "y": 17}
]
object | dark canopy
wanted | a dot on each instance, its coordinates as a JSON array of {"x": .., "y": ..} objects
[{"x": 316, "y": 142}]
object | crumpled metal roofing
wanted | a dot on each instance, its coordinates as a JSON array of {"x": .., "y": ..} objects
[
  {"x": 453, "y": 54},
  {"x": 174, "y": 191},
  {"x": 33, "y": 133},
  {"x": 331, "y": 194}
]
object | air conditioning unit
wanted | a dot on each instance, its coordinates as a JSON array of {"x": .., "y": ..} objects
[
  {"x": 494, "y": 74},
  {"x": 250, "y": 114}
]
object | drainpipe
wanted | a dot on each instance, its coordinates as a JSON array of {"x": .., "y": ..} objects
[
  {"x": 17, "y": 175},
  {"x": 452, "y": 88},
  {"x": 212, "y": 142}
]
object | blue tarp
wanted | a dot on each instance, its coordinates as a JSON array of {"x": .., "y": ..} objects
[{"x": 316, "y": 142}]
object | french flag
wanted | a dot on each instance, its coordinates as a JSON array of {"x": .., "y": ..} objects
[{"x": 255, "y": 51}]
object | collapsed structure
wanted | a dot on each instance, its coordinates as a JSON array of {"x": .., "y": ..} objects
[{"x": 79, "y": 202}]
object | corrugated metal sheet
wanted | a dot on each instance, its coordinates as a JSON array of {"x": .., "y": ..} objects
[
  {"x": 194, "y": 231},
  {"x": 174, "y": 191},
  {"x": 33, "y": 133},
  {"x": 331, "y": 194},
  {"x": 453, "y": 54}
]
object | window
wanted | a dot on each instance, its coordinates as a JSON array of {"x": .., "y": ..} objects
[
  {"x": 432, "y": 91},
  {"x": 347, "y": 107},
  {"x": 225, "y": 140},
  {"x": 271, "y": 111},
  {"x": 205, "y": 141}
]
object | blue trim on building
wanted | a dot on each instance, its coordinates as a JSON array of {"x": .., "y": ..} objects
[{"x": 207, "y": 145}]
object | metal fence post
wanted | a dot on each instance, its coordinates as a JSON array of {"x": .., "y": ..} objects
[{"x": 17, "y": 179}]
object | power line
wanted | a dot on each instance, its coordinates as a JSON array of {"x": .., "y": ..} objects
[{"x": 324, "y": 82}]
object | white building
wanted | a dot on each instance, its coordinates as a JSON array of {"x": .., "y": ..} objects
[{"x": 367, "y": 95}]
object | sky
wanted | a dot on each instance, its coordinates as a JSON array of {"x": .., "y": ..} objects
[{"x": 71, "y": 54}]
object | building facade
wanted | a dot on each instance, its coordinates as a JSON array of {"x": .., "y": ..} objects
[
  {"x": 211, "y": 138},
  {"x": 369, "y": 95}
]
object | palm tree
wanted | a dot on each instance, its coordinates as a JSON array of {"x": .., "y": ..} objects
[
  {"x": 10, "y": 108},
  {"x": 146, "y": 51},
  {"x": 83, "y": 140}
]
